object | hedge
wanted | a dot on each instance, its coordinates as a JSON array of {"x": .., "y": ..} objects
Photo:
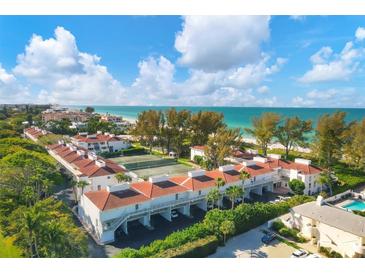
[
  {"x": 125, "y": 152},
  {"x": 197, "y": 249},
  {"x": 244, "y": 216},
  {"x": 329, "y": 253}
]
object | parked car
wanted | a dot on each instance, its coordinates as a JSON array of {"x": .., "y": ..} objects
[
  {"x": 299, "y": 253},
  {"x": 174, "y": 214},
  {"x": 314, "y": 255},
  {"x": 268, "y": 238}
]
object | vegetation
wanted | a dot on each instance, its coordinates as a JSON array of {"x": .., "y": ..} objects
[
  {"x": 124, "y": 152},
  {"x": 234, "y": 192},
  {"x": 297, "y": 186},
  {"x": 244, "y": 218},
  {"x": 354, "y": 149},
  {"x": 287, "y": 232},
  {"x": 293, "y": 132},
  {"x": 227, "y": 228},
  {"x": 61, "y": 127},
  {"x": 329, "y": 253},
  {"x": 32, "y": 223},
  {"x": 121, "y": 177},
  {"x": 264, "y": 128},
  {"x": 89, "y": 109}
]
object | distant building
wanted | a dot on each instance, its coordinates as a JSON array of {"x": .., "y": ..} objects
[
  {"x": 197, "y": 151},
  {"x": 86, "y": 166},
  {"x": 330, "y": 226},
  {"x": 111, "y": 118},
  {"x": 34, "y": 133},
  {"x": 57, "y": 114},
  {"x": 100, "y": 142}
]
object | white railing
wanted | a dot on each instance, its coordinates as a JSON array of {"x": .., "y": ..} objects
[{"x": 120, "y": 220}]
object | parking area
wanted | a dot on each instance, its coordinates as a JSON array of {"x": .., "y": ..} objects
[
  {"x": 249, "y": 245},
  {"x": 139, "y": 235}
]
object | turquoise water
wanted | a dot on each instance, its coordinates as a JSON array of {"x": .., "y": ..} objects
[
  {"x": 356, "y": 205},
  {"x": 236, "y": 116}
]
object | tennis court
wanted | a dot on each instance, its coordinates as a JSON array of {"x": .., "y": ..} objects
[{"x": 151, "y": 165}]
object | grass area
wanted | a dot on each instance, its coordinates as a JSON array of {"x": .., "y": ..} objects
[
  {"x": 348, "y": 177},
  {"x": 185, "y": 161}
]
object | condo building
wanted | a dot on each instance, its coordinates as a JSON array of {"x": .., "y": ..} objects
[
  {"x": 104, "y": 211},
  {"x": 34, "y": 133},
  {"x": 62, "y": 113},
  {"x": 100, "y": 142}
]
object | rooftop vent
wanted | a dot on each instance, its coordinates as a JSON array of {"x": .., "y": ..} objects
[
  {"x": 73, "y": 148},
  {"x": 226, "y": 168},
  {"x": 118, "y": 187},
  {"x": 83, "y": 133},
  {"x": 99, "y": 132},
  {"x": 100, "y": 163},
  {"x": 248, "y": 163},
  {"x": 252, "y": 151},
  {"x": 61, "y": 142},
  {"x": 80, "y": 152},
  {"x": 260, "y": 159},
  {"x": 157, "y": 179},
  {"x": 91, "y": 136},
  {"x": 303, "y": 161},
  {"x": 196, "y": 173},
  {"x": 92, "y": 156}
]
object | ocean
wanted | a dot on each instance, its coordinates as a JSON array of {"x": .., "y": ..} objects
[{"x": 235, "y": 117}]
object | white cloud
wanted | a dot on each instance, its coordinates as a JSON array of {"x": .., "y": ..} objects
[
  {"x": 213, "y": 43},
  {"x": 360, "y": 33},
  {"x": 66, "y": 74},
  {"x": 328, "y": 66},
  {"x": 329, "y": 98},
  {"x": 10, "y": 89},
  {"x": 263, "y": 89}
]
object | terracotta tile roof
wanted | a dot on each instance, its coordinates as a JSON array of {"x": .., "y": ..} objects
[
  {"x": 35, "y": 132},
  {"x": 199, "y": 182},
  {"x": 254, "y": 170},
  {"x": 98, "y": 138},
  {"x": 153, "y": 190},
  {"x": 87, "y": 166},
  {"x": 105, "y": 200},
  {"x": 199, "y": 147},
  {"x": 285, "y": 164}
]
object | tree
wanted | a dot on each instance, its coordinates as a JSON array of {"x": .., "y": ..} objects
[
  {"x": 297, "y": 186},
  {"x": 221, "y": 144},
  {"x": 264, "y": 129},
  {"x": 204, "y": 123},
  {"x": 122, "y": 177},
  {"x": 325, "y": 179},
  {"x": 8, "y": 249},
  {"x": 82, "y": 184},
  {"x": 234, "y": 192},
  {"x": 329, "y": 138},
  {"x": 293, "y": 132},
  {"x": 213, "y": 196},
  {"x": 244, "y": 175},
  {"x": 227, "y": 228},
  {"x": 89, "y": 109},
  {"x": 47, "y": 229},
  {"x": 354, "y": 148}
]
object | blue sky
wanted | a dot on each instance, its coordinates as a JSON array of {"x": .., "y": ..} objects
[{"x": 310, "y": 61}]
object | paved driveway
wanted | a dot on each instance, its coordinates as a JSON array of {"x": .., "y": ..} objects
[{"x": 249, "y": 245}]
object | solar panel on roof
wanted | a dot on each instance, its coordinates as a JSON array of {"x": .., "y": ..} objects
[
  {"x": 232, "y": 172},
  {"x": 256, "y": 167},
  {"x": 165, "y": 184},
  {"x": 126, "y": 193},
  {"x": 203, "y": 178}
]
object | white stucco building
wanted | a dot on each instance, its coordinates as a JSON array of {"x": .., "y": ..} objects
[
  {"x": 331, "y": 227},
  {"x": 100, "y": 142},
  {"x": 86, "y": 166},
  {"x": 197, "y": 151},
  {"x": 34, "y": 133}
]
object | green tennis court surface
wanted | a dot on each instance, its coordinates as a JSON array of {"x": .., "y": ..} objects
[{"x": 151, "y": 165}]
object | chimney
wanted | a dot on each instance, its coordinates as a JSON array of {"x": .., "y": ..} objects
[
  {"x": 196, "y": 173},
  {"x": 156, "y": 179},
  {"x": 100, "y": 163},
  {"x": 303, "y": 161},
  {"x": 92, "y": 156},
  {"x": 260, "y": 159},
  {"x": 118, "y": 187},
  {"x": 275, "y": 156},
  {"x": 99, "y": 132},
  {"x": 80, "y": 152},
  {"x": 226, "y": 168}
]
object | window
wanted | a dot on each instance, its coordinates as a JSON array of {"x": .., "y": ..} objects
[
  {"x": 310, "y": 178},
  {"x": 310, "y": 185},
  {"x": 176, "y": 196},
  {"x": 99, "y": 187},
  {"x": 200, "y": 192},
  {"x": 136, "y": 206},
  {"x": 108, "y": 177}
]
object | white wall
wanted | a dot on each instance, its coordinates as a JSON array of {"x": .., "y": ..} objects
[{"x": 196, "y": 152}]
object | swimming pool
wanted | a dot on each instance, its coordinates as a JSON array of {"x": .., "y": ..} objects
[{"x": 355, "y": 205}]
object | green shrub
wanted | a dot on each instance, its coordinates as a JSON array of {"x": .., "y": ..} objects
[
  {"x": 287, "y": 232},
  {"x": 244, "y": 216},
  {"x": 277, "y": 225},
  {"x": 197, "y": 249},
  {"x": 329, "y": 253}
]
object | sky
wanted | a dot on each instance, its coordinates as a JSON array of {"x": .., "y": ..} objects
[{"x": 272, "y": 61}]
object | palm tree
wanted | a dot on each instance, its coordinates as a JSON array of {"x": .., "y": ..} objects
[
  {"x": 122, "y": 177},
  {"x": 213, "y": 196},
  {"x": 234, "y": 192},
  {"x": 219, "y": 183},
  {"x": 244, "y": 175},
  {"x": 227, "y": 228},
  {"x": 81, "y": 184},
  {"x": 31, "y": 223}
]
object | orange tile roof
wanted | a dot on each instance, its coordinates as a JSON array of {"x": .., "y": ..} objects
[
  {"x": 105, "y": 200},
  {"x": 153, "y": 190},
  {"x": 199, "y": 147},
  {"x": 285, "y": 164}
]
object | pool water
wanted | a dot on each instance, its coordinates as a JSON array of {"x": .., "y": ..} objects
[{"x": 355, "y": 205}]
